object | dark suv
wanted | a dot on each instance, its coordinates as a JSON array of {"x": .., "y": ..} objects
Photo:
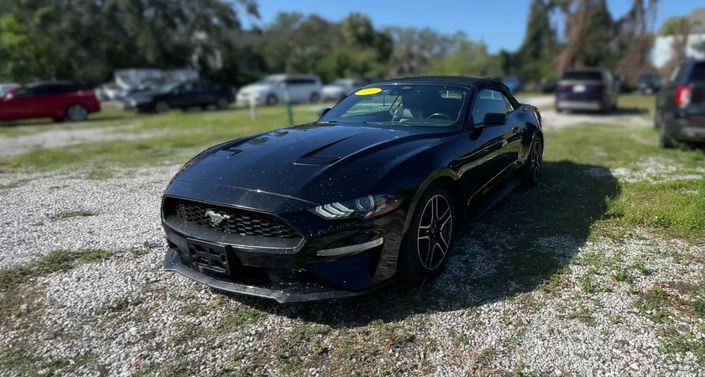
[
  {"x": 680, "y": 106},
  {"x": 587, "y": 89}
]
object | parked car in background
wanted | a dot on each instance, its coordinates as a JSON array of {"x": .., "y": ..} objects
[
  {"x": 341, "y": 88},
  {"x": 680, "y": 106},
  {"x": 621, "y": 82},
  {"x": 513, "y": 83},
  {"x": 273, "y": 90},
  {"x": 648, "y": 84},
  {"x": 181, "y": 96},
  {"x": 57, "y": 100},
  {"x": 587, "y": 89},
  {"x": 4, "y": 88}
]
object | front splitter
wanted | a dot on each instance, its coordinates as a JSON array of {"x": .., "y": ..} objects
[{"x": 283, "y": 293}]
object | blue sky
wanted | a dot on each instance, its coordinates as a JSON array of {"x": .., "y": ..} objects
[{"x": 499, "y": 23}]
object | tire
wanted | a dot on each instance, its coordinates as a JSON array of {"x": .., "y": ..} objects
[
  {"x": 76, "y": 113},
  {"x": 427, "y": 243},
  {"x": 314, "y": 97},
  {"x": 161, "y": 107},
  {"x": 272, "y": 100},
  {"x": 531, "y": 171},
  {"x": 222, "y": 103}
]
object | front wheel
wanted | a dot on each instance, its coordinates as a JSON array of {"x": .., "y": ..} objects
[
  {"x": 427, "y": 242},
  {"x": 76, "y": 113},
  {"x": 532, "y": 168},
  {"x": 222, "y": 103},
  {"x": 314, "y": 97}
]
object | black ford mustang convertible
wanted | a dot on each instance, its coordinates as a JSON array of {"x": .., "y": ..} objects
[{"x": 372, "y": 191}]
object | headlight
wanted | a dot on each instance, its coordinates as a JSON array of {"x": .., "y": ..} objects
[{"x": 360, "y": 208}]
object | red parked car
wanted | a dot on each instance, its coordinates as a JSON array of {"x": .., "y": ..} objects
[{"x": 58, "y": 100}]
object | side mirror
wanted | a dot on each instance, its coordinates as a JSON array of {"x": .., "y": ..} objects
[{"x": 494, "y": 119}]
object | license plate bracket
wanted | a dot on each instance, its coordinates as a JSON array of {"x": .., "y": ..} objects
[{"x": 208, "y": 256}]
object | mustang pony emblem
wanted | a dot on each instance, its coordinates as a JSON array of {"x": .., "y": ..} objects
[{"x": 216, "y": 218}]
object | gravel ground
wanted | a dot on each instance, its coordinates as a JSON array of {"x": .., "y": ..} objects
[
  {"x": 124, "y": 315},
  {"x": 67, "y": 137}
]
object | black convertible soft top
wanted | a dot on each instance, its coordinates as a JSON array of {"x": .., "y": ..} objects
[{"x": 466, "y": 81}]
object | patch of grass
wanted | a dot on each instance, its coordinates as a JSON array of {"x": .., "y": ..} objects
[
  {"x": 21, "y": 358},
  {"x": 655, "y": 302},
  {"x": 682, "y": 340},
  {"x": 100, "y": 174},
  {"x": 302, "y": 342},
  {"x": 56, "y": 261},
  {"x": 242, "y": 317},
  {"x": 662, "y": 206},
  {"x": 623, "y": 276},
  {"x": 71, "y": 213},
  {"x": 589, "y": 285}
]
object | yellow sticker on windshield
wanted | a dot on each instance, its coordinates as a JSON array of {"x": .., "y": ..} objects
[{"x": 368, "y": 91}]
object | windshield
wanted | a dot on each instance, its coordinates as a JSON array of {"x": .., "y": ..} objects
[
  {"x": 270, "y": 81},
  {"x": 408, "y": 105}
]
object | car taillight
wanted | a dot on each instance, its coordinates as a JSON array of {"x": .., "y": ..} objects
[{"x": 683, "y": 95}]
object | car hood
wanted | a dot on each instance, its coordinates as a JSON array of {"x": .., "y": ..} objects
[{"x": 315, "y": 162}]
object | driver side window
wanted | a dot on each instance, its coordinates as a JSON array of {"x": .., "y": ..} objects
[{"x": 489, "y": 101}]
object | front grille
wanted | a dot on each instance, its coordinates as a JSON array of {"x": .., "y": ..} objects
[{"x": 230, "y": 220}]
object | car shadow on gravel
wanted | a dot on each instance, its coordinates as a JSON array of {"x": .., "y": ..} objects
[{"x": 516, "y": 247}]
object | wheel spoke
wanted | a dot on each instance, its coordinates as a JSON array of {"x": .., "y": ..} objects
[
  {"x": 445, "y": 243},
  {"x": 429, "y": 255}
]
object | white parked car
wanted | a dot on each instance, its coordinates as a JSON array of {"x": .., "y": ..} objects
[
  {"x": 341, "y": 88},
  {"x": 273, "y": 89}
]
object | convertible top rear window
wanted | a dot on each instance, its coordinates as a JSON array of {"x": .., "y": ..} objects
[{"x": 409, "y": 105}]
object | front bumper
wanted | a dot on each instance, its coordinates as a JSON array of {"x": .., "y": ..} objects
[
  {"x": 283, "y": 293},
  {"x": 580, "y": 105},
  {"x": 689, "y": 129},
  {"x": 330, "y": 259}
]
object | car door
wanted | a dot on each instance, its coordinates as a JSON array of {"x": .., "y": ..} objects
[
  {"x": 515, "y": 148},
  {"x": 299, "y": 89},
  {"x": 489, "y": 158},
  {"x": 184, "y": 96}
]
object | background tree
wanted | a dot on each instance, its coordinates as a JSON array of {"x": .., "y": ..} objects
[
  {"x": 635, "y": 36},
  {"x": 86, "y": 40},
  {"x": 533, "y": 60},
  {"x": 679, "y": 30}
]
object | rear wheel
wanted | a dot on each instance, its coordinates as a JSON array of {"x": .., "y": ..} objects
[
  {"x": 427, "y": 242},
  {"x": 76, "y": 113},
  {"x": 314, "y": 97},
  {"x": 531, "y": 172}
]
